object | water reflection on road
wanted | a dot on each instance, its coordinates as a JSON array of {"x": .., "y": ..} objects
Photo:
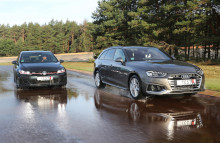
[{"x": 81, "y": 113}]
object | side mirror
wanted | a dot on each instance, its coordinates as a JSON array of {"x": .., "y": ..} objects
[
  {"x": 95, "y": 56},
  {"x": 61, "y": 61},
  {"x": 119, "y": 60},
  {"x": 14, "y": 62}
]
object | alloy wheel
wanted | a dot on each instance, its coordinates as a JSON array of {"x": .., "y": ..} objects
[
  {"x": 134, "y": 87},
  {"x": 97, "y": 80}
]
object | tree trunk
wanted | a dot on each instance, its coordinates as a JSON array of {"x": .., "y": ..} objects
[
  {"x": 72, "y": 39},
  {"x": 193, "y": 51},
  {"x": 188, "y": 52},
  {"x": 217, "y": 50},
  {"x": 23, "y": 35},
  {"x": 204, "y": 54},
  {"x": 197, "y": 53},
  {"x": 209, "y": 52},
  {"x": 176, "y": 52},
  {"x": 14, "y": 39},
  {"x": 170, "y": 51},
  {"x": 68, "y": 46}
]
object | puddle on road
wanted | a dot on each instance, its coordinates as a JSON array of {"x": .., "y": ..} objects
[
  {"x": 81, "y": 113},
  {"x": 6, "y": 79},
  {"x": 101, "y": 116}
]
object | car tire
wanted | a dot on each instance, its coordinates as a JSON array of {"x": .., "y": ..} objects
[
  {"x": 17, "y": 84},
  {"x": 98, "y": 82},
  {"x": 14, "y": 79},
  {"x": 135, "y": 87}
]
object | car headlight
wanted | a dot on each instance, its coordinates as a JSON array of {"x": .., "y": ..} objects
[
  {"x": 24, "y": 72},
  {"x": 61, "y": 71},
  {"x": 200, "y": 72},
  {"x": 156, "y": 74}
]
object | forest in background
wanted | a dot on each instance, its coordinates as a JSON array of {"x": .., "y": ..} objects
[{"x": 188, "y": 29}]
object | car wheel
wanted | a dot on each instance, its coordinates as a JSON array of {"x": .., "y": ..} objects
[
  {"x": 98, "y": 81},
  {"x": 135, "y": 87},
  {"x": 17, "y": 84}
]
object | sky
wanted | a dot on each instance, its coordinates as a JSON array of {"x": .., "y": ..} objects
[{"x": 16, "y": 12}]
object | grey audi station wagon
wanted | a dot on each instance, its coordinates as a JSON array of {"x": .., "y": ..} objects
[{"x": 146, "y": 71}]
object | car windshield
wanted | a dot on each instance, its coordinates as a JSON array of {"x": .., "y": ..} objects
[
  {"x": 145, "y": 53},
  {"x": 38, "y": 57}
]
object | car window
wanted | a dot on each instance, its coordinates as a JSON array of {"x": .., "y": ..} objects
[
  {"x": 110, "y": 54},
  {"x": 38, "y": 57},
  {"x": 119, "y": 54},
  {"x": 102, "y": 57},
  {"x": 145, "y": 53}
]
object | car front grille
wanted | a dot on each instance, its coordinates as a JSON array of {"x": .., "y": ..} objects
[
  {"x": 44, "y": 73},
  {"x": 28, "y": 81},
  {"x": 174, "y": 77}
]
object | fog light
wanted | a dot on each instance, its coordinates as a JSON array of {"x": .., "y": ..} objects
[
  {"x": 155, "y": 88},
  {"x": 158, "y": 88}
]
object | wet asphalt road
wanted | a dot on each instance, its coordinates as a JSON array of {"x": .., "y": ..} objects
[{"x": 80, "y": 113}]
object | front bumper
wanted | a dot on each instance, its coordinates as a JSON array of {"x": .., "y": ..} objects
[
  {"x": 168, "y": 85},
  {"x": 31, "y": 80}
]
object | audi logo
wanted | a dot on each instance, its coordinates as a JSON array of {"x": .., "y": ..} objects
[{"x": 185, "y": 76}]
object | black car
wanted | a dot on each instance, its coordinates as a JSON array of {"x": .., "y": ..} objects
[
  {"x": 146, "y": 70},
  {"x": 38, "y": 68}
]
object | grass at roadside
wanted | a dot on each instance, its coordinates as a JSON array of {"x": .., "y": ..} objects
[
  {"x": 6, "y": 64},
  {"x": 212, "y": 84},
  {"x": 83, "y": 66},
  {"x": 212, "y": 76}
]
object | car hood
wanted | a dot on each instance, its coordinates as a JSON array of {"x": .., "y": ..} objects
[
  {"x": 39, "y": 67},
  {"x": 168, "y": 66}
]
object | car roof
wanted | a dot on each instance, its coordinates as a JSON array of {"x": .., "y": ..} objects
[
  {"x": 138, "y": 47},
  {"x": 125, "y": 47},
  {"x": 35, "y": 51}
]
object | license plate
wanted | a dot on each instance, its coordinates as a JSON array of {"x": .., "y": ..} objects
[
  {"x": 185, "y": 123},
  {"x": 44, "y": 78},
  {"x": 186, "y": 82}
]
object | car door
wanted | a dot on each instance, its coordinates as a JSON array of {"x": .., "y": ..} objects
[
  {"x": 101, "y": 64},
  {"x": 109, "y": 60},
  {"x": 119, "y": 70}
]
